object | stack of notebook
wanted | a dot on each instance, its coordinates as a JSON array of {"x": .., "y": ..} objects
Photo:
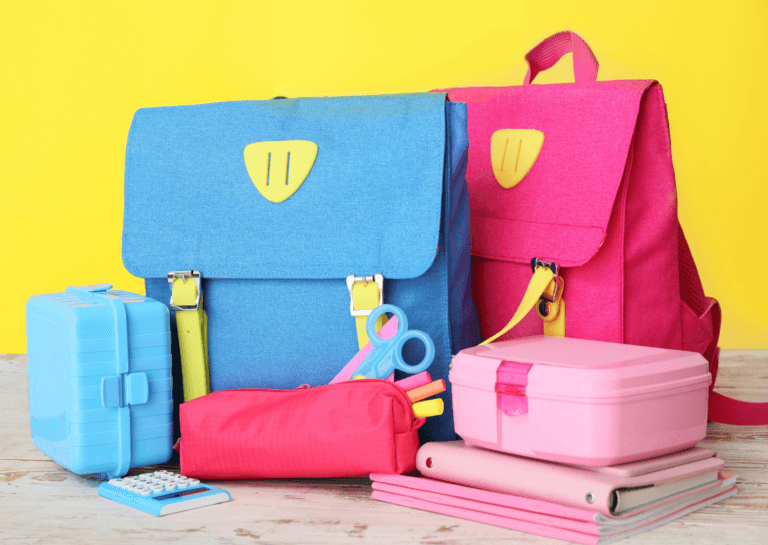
[{"x": 590, "y": 505}]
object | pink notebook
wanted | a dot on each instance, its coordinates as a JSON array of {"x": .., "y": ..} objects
[
  {"x": 616, "y": 491},
  {"x": 535, "y": 516}
]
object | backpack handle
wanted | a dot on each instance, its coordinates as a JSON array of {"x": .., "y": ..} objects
[{"x": 549, "y": 51}]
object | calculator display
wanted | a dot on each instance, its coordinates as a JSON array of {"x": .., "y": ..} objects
[{"x": 180, "y": 494}]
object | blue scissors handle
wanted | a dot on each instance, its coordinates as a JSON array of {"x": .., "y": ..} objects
[
  {"x": 370, "y": 325},
  {"x": 402, "y": 336},
  {"x": 429, "y": 352}
]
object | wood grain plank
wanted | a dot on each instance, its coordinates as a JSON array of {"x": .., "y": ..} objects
[{"x": 40, "y": 502}]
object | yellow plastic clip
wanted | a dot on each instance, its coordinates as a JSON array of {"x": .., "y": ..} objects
[
  {"x": 513, "y": 153},
  {"x": 278, "y": 169}
]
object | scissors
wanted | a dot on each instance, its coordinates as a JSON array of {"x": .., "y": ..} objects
[{"x": 387, "y": 355}]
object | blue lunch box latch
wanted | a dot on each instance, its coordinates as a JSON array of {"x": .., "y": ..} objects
[{"x": 121, "y": 390}]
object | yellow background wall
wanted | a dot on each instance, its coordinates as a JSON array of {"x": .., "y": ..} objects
[{"x": 73, "y": 73}]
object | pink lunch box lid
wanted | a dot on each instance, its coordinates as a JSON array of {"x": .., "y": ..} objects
[{"x": 554, "y": 367}]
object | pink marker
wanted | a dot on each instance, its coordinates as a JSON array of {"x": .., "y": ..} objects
[
  {"x": 386, "y": 332},
  {"x": 414, "y": 381}
]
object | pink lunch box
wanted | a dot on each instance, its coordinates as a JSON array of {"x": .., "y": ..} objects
[{"x": 577, "y": 401}]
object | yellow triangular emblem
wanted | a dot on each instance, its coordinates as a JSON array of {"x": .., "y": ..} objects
[
  {"x": 278, "y": 169},
  {"x": 513, "y": 152}
]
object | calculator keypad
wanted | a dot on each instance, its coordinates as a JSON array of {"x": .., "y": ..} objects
[
  {"x": 162, "y": 492},
  {"x": 150, "y": 484}
]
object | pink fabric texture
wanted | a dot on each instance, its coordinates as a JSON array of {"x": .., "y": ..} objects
[
  {"x": 349, "y": 429},
  {"x": 600, "y": 201},
  {"x": 547, "y": 53}
]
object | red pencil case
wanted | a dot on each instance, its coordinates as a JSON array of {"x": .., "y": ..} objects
[{"x": 349, "y": 429}]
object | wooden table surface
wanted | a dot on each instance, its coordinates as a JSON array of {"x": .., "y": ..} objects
[{"x": 40, "y": 502}]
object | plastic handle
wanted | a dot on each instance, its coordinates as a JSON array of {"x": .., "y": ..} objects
[
  {"x": 386, "y": 356},
  {"x": 90, "y": 290},
  {"x": 121, "y": 355},
  {"x": 121, "y": 331},
  {"x": 370, "y": 325},
  {"x": 429, "y": 352},
  {"x": 112, "y": 394},
  {"x": 548, "y": 52},
  {"x": 124, "y": 443}
]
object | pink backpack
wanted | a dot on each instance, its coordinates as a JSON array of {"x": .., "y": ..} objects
[{"x": 597, "y": 211}]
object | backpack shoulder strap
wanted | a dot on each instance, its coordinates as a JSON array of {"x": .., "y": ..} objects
[{"x": 723, "y": 409}]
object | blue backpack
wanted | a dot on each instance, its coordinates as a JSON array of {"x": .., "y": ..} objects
[{"x": 283, "y": 206}]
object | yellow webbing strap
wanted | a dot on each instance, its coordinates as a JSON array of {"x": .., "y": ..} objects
[
  {"x": 365, "y": 296},
  {"x": 541, "y": 284},
  {"x": 192, "y": 327},
  {"x": 554, "y": 321}
]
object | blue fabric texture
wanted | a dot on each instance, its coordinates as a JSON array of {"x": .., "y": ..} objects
[
  {"x": 376, "y": 181},
  {"x": 386, "y": 195}
]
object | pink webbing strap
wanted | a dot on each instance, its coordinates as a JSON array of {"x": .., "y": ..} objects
[
  {"x": 547, "y": 53},
  {"x": 727, "y": 410},
  {"x": 722, "y": 409}
]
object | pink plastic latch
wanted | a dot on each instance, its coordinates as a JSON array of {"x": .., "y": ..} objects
[{"x": 511, "y": 380}]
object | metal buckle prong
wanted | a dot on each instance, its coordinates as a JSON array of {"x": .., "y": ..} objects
[
  {"x": 536, "y": 262},
  {"x": 352, "y": 280},
  {"x": 195, "y": 275}
]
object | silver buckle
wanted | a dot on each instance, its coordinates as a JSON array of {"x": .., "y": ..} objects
[
  {"x": 536, "y": 262},
  {"x": 173, "y": 275},
  {"x": 352, "y": 280}
]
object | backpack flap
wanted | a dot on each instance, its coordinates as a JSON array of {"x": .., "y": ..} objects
[
  {"x": 236, "y": 191},
  {"x": 559, "y": 210}
]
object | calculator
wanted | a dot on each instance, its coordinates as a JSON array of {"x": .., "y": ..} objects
[{"x": 162, "y": 492}]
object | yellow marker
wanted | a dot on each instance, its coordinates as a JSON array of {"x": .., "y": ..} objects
[{"x": 430, "y": 407}]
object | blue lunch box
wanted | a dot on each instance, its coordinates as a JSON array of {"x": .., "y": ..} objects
[{"x": 100, "y": 379}]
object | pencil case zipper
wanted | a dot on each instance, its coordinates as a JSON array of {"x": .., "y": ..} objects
[{"x": 402, "y": 395}]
